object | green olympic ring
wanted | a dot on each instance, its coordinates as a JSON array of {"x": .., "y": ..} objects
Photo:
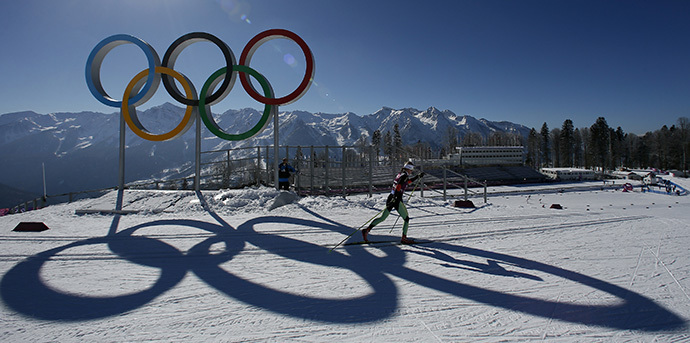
[{"x": 205, "y": 110}]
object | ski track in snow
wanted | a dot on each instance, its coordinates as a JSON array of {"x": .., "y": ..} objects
[{"x": 611, "y": 266}]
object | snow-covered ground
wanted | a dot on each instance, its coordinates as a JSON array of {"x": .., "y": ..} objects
[{"x": 609, "y": 266}]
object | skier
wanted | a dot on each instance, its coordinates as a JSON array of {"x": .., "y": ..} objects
[
  {"x": 394, "y": 201},
  {"x": 284, "y": 170}
]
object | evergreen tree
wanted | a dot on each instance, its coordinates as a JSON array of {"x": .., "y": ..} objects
[
  {"x": 376, "y": 142},
  {"x": 556, "y": 147},
  {"x": 586, "y": 148},
  {"x": 675, "y": 148},
  {"x": 617, "y": 147},
  {"x": 662, "y": 138},
  {"x": 388, "y": 145},
  {"x": 532, "y": 159},
  {"x": 567, "y": 144},
  {"x": 545, "y": 146},
  {"x": 644, "y": 150},
  {"x": 684, "y": 133},
  {"x": 578, "y": 154},
  {"x": 600, "y": 141},
  {"x": 631, "y": 143},
  {"x": 397, "y": 142}
]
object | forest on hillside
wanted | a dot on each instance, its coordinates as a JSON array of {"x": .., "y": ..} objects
[
  {"x": 597, "y": 147},
  {"x": 601, "y": 146}
]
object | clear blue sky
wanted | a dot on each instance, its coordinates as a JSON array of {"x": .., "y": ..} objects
[{"x": 523, "y": 61}]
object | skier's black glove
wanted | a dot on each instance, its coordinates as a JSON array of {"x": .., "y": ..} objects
[{"x": 417, "y": 177}]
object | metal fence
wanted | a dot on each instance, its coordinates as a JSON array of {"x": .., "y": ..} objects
[
  {"x": 329, "y": 170},
  {"x": 322, "y": 170}
]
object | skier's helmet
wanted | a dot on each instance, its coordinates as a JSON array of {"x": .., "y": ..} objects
[{"x": 409, "y": 166}]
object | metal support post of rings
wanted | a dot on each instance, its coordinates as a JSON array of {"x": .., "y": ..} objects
[{"x": 144, "y": 85}]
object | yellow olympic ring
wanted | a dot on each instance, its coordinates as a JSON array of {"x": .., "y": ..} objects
[{"x": 130, "y": 112}]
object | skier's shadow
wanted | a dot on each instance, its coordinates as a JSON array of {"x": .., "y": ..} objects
[
  {"x": 491, "y": 267},
  {"x": 632, "y": 311}
]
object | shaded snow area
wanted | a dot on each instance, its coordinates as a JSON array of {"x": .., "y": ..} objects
[{"x": 221, "y": 267}]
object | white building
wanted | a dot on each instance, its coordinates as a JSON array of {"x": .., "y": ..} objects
[
  {"x": 569, "y": 173},
  {"x": 648, "y": 176},
  {"x": 489, "y": 155}
]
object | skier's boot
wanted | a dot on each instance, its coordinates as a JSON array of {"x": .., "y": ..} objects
[
  {"x": 405, "y": 240},
  {"x": 365, "y": 233}
]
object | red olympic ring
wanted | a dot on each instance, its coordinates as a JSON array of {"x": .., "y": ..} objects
[{"x": 254, "y": 44}]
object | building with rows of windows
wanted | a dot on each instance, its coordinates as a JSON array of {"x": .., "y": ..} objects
[{"x": 489, "y": 155}]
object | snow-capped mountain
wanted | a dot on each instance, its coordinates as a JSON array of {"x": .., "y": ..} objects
[{"x": 80, "y": 150}]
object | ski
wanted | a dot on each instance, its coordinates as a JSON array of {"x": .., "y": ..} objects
[{"x": 396, "y": 242}]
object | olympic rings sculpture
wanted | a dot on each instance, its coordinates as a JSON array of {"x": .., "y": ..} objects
[{"x": 142, "y": 87}]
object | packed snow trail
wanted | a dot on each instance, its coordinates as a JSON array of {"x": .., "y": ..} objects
[{"x": 224, "y": 268}]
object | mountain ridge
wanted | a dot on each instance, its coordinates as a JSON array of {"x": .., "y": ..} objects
[{"x": 80, "y": 150}]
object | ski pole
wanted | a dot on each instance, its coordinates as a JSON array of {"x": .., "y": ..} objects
[
  {"x": 408, "y": 200},
  {"x": 353, "y": 232}
]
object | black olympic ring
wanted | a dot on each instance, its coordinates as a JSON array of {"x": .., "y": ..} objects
[{"x": 174, "y": 51}]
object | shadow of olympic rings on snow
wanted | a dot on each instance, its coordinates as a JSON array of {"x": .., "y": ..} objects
[{"x": 23, "y": 290}]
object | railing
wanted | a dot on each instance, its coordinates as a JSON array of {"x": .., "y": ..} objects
[
  {"x": 327, "y": 170},
  {"x": 322, "y": 170}
]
